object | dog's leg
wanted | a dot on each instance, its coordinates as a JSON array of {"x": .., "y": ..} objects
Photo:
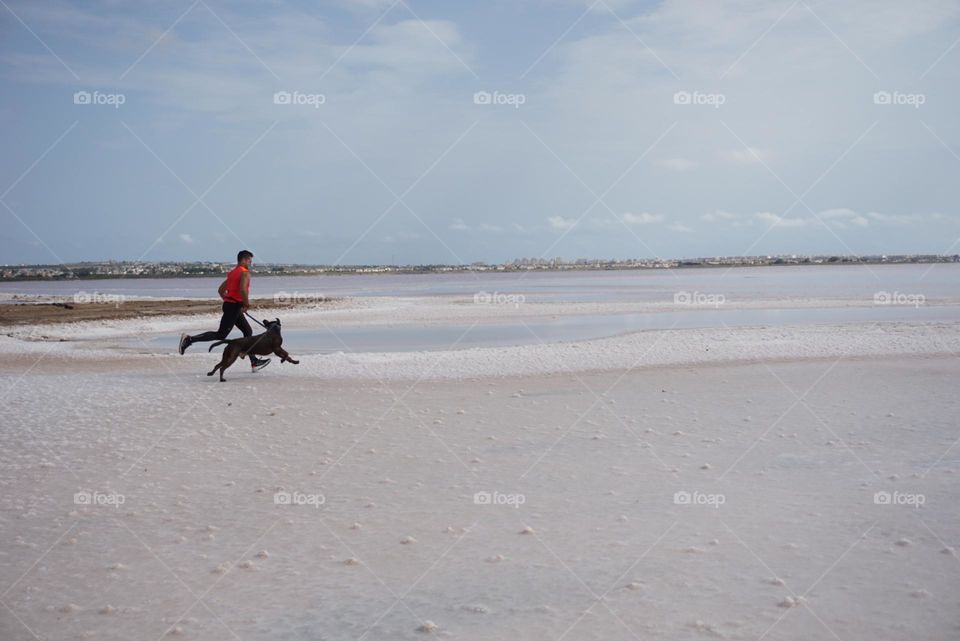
[
  {"x": 229, "y": 356},
  {"x": 284, "y": 356}
]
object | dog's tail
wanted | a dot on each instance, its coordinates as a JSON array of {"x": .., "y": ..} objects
[{"x": 210, "y": 349}]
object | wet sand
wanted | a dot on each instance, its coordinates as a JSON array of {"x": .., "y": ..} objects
[{"x": 64, "y": 311}]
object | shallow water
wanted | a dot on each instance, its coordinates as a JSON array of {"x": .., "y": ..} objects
[
  {"x": 405, "y": 338},
  {"x": 741, "y": 283}
]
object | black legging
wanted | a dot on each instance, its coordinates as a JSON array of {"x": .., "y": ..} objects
[{"x": 232, "y": 316}]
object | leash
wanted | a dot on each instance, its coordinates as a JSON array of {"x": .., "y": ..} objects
[{"x": 247, "y": 314}]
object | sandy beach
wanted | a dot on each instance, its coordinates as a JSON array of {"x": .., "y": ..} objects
[{"x": 732, "y": 483}]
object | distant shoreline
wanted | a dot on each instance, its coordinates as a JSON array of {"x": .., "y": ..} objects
[
  {"x": 35, "y": 313},
  {"x": 307, "y": 271}
]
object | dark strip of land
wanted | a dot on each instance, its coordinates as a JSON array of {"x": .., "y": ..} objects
[{"x": 12, "y": 314}]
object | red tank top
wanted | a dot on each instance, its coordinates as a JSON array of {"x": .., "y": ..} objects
[{"x": 233, "y": 295}]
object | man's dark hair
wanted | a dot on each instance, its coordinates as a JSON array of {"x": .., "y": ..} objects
[{"x": 244, "y": 254}]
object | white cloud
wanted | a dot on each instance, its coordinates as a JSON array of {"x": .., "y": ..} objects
[
  {"x": 719, "y": 216},
  {"x": 559, "y": 223},
  {"x": 187, "y": 238},
  {"x": 907, "y": 219},
  {"x": 642, "y": 218},
  {"x": 680, "y": 228},
  {"x": 838, "y": 218},
  {"x": 775, "y": 220},
  {"x": 412, "y": 45},
  {"x": 459, "y": 225},
  {"x": 841, "y": 218}
]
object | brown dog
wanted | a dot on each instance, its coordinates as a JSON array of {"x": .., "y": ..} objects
[{"x": 260, "y": 345}]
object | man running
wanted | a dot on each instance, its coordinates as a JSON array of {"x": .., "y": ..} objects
[{"x": 235, "y": 292}]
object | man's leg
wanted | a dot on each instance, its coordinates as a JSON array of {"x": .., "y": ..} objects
[
  {"x": 242, "y": 324},
  {"x": 227, "y": 321}
]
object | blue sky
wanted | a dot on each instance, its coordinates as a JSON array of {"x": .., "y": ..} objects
[{"x": 614, "y": 129}]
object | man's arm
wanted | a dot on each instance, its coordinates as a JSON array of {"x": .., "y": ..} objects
[
  {"x": 244, "y": 286},
  {"x": 222, "y": 290}
]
